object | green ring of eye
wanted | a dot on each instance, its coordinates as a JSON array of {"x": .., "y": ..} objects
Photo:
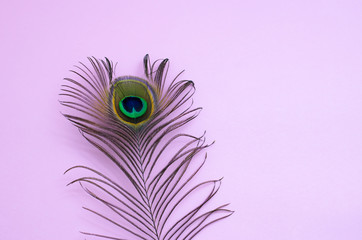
[{"x": 134, "y": 113}]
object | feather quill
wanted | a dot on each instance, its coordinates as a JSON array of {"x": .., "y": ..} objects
[{"x": 133, "y": 121}]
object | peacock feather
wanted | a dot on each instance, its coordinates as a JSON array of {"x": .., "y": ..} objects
[{"x": 134, "y": 122}]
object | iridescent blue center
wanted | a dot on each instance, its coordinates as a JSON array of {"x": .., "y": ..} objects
[
  {"x": 133, "y": 107},
  {"x": 130, "y": 103}
]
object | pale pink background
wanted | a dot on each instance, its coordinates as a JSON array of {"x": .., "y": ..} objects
[{"x": 281, "y": 87}]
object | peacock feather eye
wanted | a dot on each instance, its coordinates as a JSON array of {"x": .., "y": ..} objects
[{"x": 133, "y": 100}]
